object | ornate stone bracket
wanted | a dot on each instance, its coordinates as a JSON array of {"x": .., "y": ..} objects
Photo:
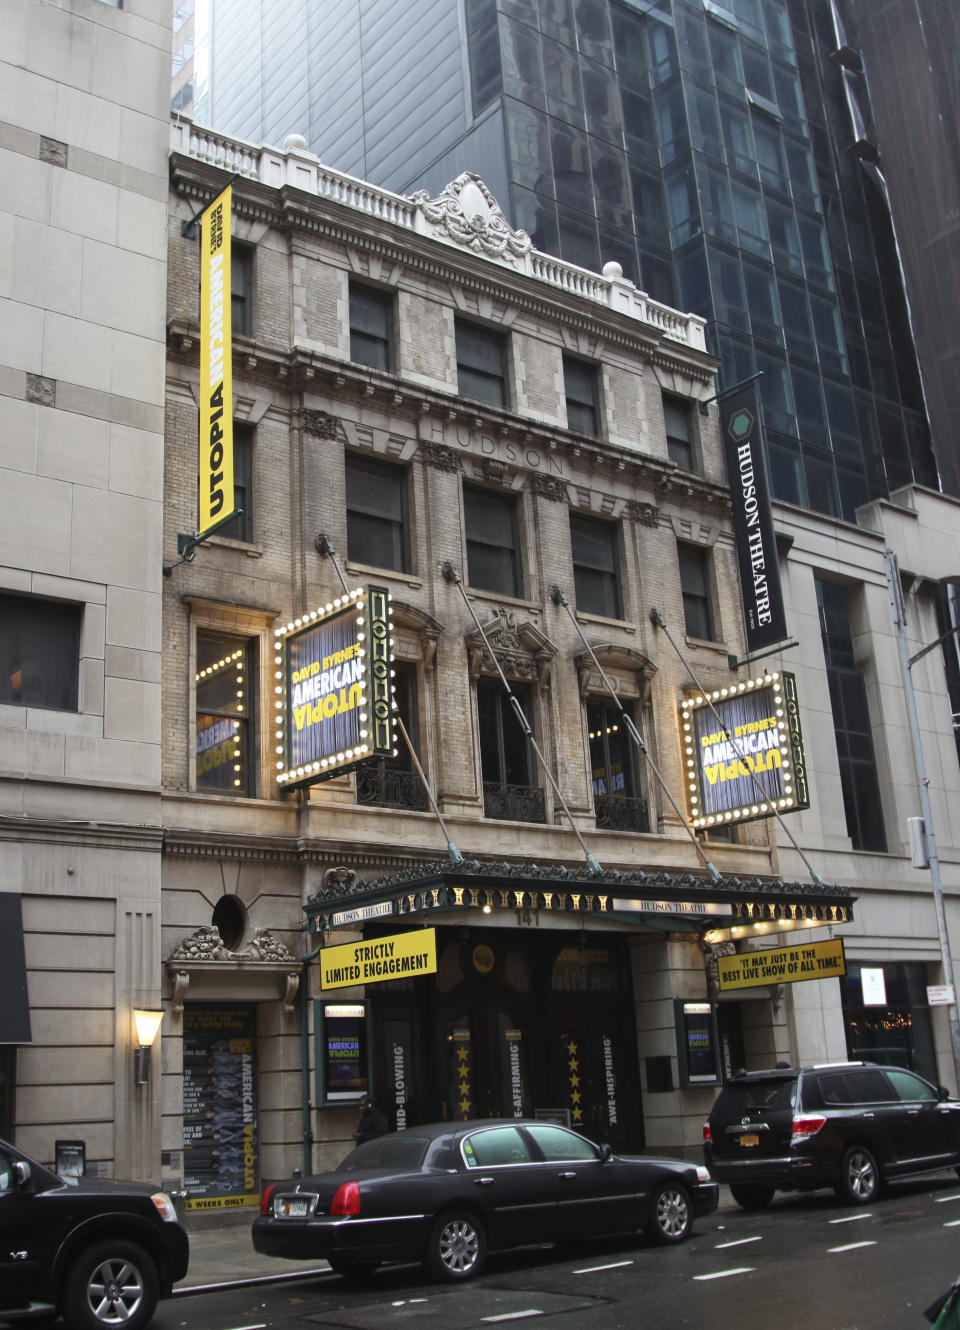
[
  {"x": 323, "y": 425},
  {"x": 201, "y": 960}
]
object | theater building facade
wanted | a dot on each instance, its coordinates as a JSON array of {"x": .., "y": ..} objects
[{"x": 489, "y": 467}]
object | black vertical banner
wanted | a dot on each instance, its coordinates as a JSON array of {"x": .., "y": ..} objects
[{"x": 752, "y": 519}]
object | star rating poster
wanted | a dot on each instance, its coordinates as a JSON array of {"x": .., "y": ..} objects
[{"x": 571, "y": 1049}]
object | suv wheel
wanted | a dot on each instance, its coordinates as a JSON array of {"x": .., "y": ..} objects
[
  {"x": 752, "y": 1197},
  {"x": 859, "y": 1176},
  {"x": 113, "y": 1283}
]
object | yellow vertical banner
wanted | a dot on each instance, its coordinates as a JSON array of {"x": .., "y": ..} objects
[{"x": 216, "y": 500}]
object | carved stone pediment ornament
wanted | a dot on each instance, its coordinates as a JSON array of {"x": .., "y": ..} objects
[
  {"x": 468, "y": 214},
  {"x": 204, "y": 949},
  {"x": 630, "y": 671},
  {"x": 523, "y": 652}
]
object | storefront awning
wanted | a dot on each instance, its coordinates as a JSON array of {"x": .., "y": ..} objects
[
  {"x": 722, "y": 908},
  {"x": 14, "y": 1003}
]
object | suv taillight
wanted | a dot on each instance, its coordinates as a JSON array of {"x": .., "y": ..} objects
[
  {"x": 265, "y": 1201},
  {"x": 803, "y": 1128},
  {"x": 346, "y": 1199},
  {"x": 707, "y": 1133}
]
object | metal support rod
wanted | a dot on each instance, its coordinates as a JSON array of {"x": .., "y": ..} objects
[
  {"x": 324, "y": 546},
  {"x": 558, "y": 598},
  {"x": 725, "y": 392},
  {"x": 946, "y": 961},
  {"x": 451, "y": 575},
  {"x": 657, "y": 619}
]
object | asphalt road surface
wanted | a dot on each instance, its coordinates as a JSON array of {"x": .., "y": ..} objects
[{"x": 807, "y": 1263}]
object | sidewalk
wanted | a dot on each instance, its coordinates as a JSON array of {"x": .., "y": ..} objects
[{"x": 221, "y": 1253}]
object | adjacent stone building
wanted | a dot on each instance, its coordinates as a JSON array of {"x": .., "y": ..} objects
[{"x": 84, "y": 132}]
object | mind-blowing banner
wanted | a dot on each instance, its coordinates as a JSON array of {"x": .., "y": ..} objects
[{"x": 760, "y": 589}]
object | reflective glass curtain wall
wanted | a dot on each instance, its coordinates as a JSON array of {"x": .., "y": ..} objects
[{"x": 715, "y": 149}]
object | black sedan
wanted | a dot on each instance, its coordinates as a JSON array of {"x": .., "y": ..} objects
[{"x": 445, "y": 1194}]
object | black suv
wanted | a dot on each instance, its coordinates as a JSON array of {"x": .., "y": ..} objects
[
  {"x": 100, "y": 1253},
  {"x": 846, "y": 1125}
]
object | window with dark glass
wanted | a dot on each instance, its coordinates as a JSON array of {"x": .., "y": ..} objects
[
  {"x": 225, "y": 750},
  {"x": 377, "y": 523},
  {"x": 241, "y": 288},
  {"x": 695, "y": 586},
  {"x": 393, "y": 782},
  {"x": 613, "y": 769},
  {"x": 240, "y": 525},
  {"x": 580, "y": 387},
  {"x": 676, "y": 419},
  {"x": 506, "y": 757},
  {"x": 493, "y": 549},
  {"x": 39, "y": 652},
  {"x": 371, "y": 327},
  {"x": 481, "y": 363},
  {"x": 851, "y": 720},
  {"x": 596, "y": 567}
]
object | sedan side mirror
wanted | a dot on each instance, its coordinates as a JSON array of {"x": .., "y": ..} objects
[
  {"x": 605, "y": 1153},
  {"x": 942, "y": 1092},
  {"x": 21, "y": 1172}
]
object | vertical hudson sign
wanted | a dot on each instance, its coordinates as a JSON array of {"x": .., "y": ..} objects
[
  {"x": 216, "y": 367},
  {"x": 752, "y": 520}
]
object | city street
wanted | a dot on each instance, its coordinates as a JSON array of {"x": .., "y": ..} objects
[{"x": 807, "y": 1262}]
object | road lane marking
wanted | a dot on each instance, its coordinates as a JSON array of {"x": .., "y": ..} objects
[
  {"x": 852, "y": 1246},
  {"x": 940, "y": 1199},
  {"x": 513, "y": 1316},
  {"x": 952, "y": 1223},
  {"x": 725, "y": 1274},
  {"x": 736, "y": 1242},
  {"x": 592, "y": 1269},
  {"x": 852, "y": 1219}
]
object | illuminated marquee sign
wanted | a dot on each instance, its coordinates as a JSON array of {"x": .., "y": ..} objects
[
  {"x": 744, "y": 752},
  {"x": 334, "y": 695}
]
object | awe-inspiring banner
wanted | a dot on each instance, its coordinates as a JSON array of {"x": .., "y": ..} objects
[
  {"x": 760, "y": 589},
  {"x": 335, "y": 705},
  {"x": 216, "y": 497}
]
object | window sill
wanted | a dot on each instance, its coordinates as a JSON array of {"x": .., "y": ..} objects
[
  {"x": 707, "y": 644},
  {"x": 364, "y": 569},
  {"x": 251, "y": 550},
  {"x": 624, "y": 624},
  {"x": 501, "y": 598}
]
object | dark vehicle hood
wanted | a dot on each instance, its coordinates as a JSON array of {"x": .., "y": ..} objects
[{"x": 95, "y": 1187}]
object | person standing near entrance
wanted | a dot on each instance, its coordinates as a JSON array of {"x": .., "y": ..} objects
[{"x": 372, "y": 1122}]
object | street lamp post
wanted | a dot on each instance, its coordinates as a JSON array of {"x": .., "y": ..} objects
[{"x": 897, "y": 605}]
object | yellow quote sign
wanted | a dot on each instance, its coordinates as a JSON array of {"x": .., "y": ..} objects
[
  {"x": 782, "y": 965},
  {"x": 397, "y": 957}
]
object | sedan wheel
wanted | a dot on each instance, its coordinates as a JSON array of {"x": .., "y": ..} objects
[
  {"x": 111, "y": 1284},
  {"x": 456, "y": 1248},
  {"x": 859, "y": 1176},
  {"x": 672, "y": 1216}
]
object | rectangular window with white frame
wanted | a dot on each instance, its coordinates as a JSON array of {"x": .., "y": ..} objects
[
  {"x": 596, "y": 565},
  {"x": 695, "y": 585}
]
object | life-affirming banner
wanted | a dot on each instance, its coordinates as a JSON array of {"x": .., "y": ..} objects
[
  {"x": 744, "y": 752},
  {"x": 216, "y": 497},
  {"x": 334, "y": 704},
  {"x": 760, "y": 589}
]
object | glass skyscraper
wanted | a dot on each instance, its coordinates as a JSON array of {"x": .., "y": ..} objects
[{"x": 721, "y": 150}]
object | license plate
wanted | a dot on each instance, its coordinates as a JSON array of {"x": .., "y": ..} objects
[
  {"x": 750, "y": 1138},
  {"x": 296, "y": 1209}
]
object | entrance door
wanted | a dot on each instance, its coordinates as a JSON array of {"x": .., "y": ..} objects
[{"x": 486, "y": 1060}]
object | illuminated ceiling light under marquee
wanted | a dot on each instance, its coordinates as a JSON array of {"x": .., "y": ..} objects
[
  {"x": 333, "y": 690},
  {"x": 762, "y": 720}
]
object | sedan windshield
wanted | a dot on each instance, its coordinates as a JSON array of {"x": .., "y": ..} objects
[{"x": 402, "y": 1152}]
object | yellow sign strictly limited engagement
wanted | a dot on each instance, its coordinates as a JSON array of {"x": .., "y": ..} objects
[
  {"x": 399, "y": 956},
  {"x": 782, "y": 965},
  {"x": 216, "y": 494}
]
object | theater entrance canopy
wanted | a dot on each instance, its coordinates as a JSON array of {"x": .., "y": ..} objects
[{"x": 493, "y": 893}]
